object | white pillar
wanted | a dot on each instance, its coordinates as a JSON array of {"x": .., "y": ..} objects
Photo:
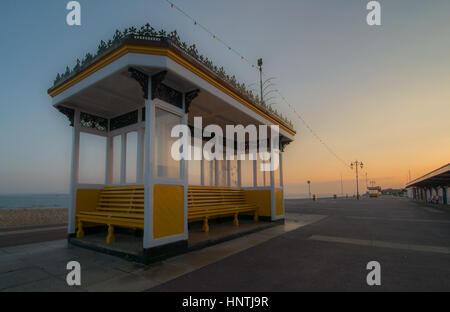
[
  {"x": 149, "y": 169},
  {"x": 140, "y": 155},
  {"x": 74, "y": 173},
  {"x": 216, "y": 171},
  {"x": 264, "y": 173},
  {"x": 255, "y": 173},
  {"x": 239, "y": 173},
  {"x": 228, "y": 170},
  {"x": 281, "y": 179},
  {"x": 123, "y": 159},
  {"x": 281, "y": 170},
  {"x": 202, "y": 171},
  {"x": 109, "y": 160},
  {"x": 211, "y": 173},
  {"x": 185, "y": 171},
  {"x": 448, "y": 195},
  {"x": 272, "y": 192}
]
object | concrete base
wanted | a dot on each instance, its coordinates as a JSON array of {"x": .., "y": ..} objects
[{"x": 128, "y": 244}]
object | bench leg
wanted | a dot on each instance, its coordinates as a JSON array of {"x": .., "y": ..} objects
[
  {"x": 205, "y": 227},
  {"x": 236, "y": 220},
  {"x": 80, "y": 232},
  {"x": 110, "y": 238},
  {"x": 256, "y": 217}
]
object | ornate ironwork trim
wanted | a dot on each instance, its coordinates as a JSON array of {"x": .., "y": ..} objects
[
  {"x": 157, "y": 79},
  {"x": 94, "y": 122},
  {"x": 141, "y": 78},
  {"x": 164, "y": 92},
  {"x": 69, "y": 112},
  {"x": 283, "y": 144},
  {"x": 123, "y": 120},
  {"x": 188, "y": 98},
  {"x": 148, "y": 33}
]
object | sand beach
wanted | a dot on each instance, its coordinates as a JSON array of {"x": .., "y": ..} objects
[{"x": 22, "y": 217}]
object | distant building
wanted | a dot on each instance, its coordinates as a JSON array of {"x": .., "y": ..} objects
[{"x": 432, "y": 187}]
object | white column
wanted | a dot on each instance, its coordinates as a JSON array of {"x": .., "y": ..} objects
[
  {"x": 281, "y": 180},
  {"x": 149, "y": 169},
  {"x": 109, "y": 160},
  {"x": 211, "y": 173},
  {"x": 140, "y": 154},
  {"x": 202, "y": 171},
  {"x": 228, "y": 169},
  {"x": 264, "y": 173},
  {"x": 184, "y": 165},
  {"x": 216, "y": 171},
  {"x": 255, "y": 173},
  {"x": 272, "y": 193},
  {"x": 74, "y": 173},
  {"x": 123, "y": 159},
  {"x": 281, "y": 171},
  {"x": 239, "y": 173}
]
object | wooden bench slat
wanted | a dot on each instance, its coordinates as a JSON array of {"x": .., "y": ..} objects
[{"x": 124, "y": 206}]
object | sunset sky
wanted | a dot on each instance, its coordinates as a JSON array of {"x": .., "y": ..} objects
[{"x": 379, "y": 94}]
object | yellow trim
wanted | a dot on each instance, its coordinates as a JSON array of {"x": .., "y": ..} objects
[{"x": 116, "y": 54}]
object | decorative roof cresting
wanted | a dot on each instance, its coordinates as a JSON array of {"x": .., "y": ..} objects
[{"x": 148, "y": 33}]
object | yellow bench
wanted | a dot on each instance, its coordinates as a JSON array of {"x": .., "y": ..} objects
[
  {"x": 116, "y": 206},
  {"x": 124, "y": 206},
  {"x": 205, "y": 203}
]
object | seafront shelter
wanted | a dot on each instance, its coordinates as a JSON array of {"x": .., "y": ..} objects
[
  {"x": 129, "y": 96},
  {"x": 433, "y": 187}
]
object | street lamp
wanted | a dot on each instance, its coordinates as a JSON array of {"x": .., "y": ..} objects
[
  {"x": 356, "y": 164},
  {"x": 260, "y": 63},
  {"x": 309, "y": 188}
]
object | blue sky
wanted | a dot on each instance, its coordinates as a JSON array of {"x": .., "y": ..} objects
[{"x": 369, "y": 91}]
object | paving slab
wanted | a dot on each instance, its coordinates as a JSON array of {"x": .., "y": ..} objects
[
  {"x": 42, "y": 266},
  {"x": 21, "y": 276}
]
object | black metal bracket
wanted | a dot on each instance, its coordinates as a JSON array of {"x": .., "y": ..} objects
[
  {"x": 283, "y": 144},
  {"x": 141, "y": 78},
  {"x": 157, "y": 80},
  {"x": 188, "y": 98},
  {"x": 68, "y": 112}
]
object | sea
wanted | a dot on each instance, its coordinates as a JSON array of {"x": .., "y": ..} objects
[
  {"x": 306, "y": 196},
  {"x": 40, "y": 201}
]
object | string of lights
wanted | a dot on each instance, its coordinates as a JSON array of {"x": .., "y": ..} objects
[
  {"x": 314, "y": 134},
  {"x": 214, "y": 36},
  {"x": 210, "y": 32}
]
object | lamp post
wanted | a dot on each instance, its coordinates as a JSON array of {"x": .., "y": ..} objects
[
  {"x": 260, "y": 63},
  {"x": 356, "y": 164},
  {"x": 309, "y": 188}
]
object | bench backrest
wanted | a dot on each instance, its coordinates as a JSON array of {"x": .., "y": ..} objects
[
  {"x": 204, "y": 196},
  {"x": 128, "y": 198}
]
